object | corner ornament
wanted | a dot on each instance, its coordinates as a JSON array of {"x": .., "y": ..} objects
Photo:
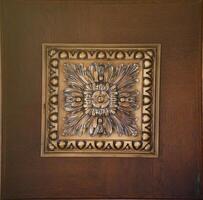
[{"x": 100, "y": 100}]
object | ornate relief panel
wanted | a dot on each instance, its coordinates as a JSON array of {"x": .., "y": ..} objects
[{"x": 100, "y": 100}]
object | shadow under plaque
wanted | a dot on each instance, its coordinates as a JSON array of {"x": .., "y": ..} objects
[{"x": 100, "y": 100}]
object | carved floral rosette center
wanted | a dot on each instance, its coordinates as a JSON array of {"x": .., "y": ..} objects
[{"x": 101, "y": 99}]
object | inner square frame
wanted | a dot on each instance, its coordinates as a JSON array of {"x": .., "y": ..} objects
[{"x": 54, "y": 144}]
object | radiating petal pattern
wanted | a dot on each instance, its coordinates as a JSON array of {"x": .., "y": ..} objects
[{"x": 100, "y": 99}]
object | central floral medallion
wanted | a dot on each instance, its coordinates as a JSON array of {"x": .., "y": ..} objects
[{"x": 101, "y": 99}]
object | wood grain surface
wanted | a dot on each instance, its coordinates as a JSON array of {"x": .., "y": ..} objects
[{"x": 176, "y": 24}]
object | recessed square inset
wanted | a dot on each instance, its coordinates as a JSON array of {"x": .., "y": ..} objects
[{"x": 100, "y": 100}]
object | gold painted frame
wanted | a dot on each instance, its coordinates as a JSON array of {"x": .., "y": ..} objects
[{"x": 52, "y": 142}]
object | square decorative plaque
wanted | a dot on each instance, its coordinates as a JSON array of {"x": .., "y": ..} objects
[{"x": 100, "y": 100}]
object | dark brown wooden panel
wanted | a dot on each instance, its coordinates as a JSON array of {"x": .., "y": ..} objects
[{"x": 176, "y": 24}]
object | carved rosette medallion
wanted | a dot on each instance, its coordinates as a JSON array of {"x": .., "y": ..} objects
[{"x": 100, "y": 100}]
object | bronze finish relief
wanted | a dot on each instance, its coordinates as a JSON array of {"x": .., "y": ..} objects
[{"x": 100, "y": 100}]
